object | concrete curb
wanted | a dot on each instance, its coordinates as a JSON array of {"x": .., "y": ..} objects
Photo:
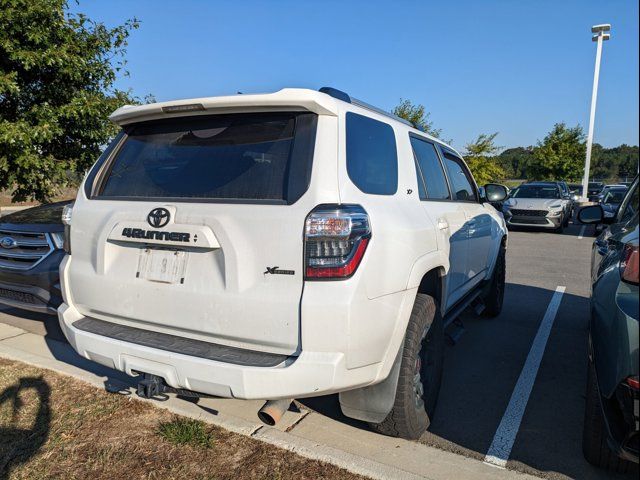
[{"x": 340, "y": 458}]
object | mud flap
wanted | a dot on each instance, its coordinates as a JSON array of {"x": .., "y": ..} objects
[{"x": 373, "y": 403}]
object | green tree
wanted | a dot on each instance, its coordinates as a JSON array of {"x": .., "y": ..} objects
[
  {"x": 560, "y": 155},
  {"x": 515, "y": 161},
  {"x": 418, "y": 115},
  {"x": 57, "y": 74},
  {"x": 480, "y": 156},
  {"x": 610, "y": 164}
]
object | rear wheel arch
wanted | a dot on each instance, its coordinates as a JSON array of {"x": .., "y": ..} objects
[{"x": 432, "y": 284}]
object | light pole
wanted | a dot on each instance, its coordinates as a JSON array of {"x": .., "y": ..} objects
[{"x": 599, "y": 35}]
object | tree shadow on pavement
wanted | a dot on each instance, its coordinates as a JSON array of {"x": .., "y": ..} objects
[{"x": 19, "y": 444}]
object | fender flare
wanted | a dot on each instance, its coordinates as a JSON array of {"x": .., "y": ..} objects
[{"x": 426, "y": 263}]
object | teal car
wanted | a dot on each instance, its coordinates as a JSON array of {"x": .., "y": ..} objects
[{"x": 610, "y": 435}]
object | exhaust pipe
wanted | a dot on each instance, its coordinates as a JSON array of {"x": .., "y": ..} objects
[{"x": 273, "y": 410}]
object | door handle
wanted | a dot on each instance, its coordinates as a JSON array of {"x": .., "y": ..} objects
[{"x": 442, "y": 224}]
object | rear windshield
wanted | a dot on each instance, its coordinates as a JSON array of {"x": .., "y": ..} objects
[
  {"x": 236, "y": 157},
  {"x": 536, "y": 191}
]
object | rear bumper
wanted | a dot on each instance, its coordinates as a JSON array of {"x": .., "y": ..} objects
[{"x": 309, "y": 374}]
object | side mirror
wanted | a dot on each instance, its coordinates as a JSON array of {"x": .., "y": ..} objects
[
  {"x": 495, "y": 192},
  {"x": 591, "y": 214}
]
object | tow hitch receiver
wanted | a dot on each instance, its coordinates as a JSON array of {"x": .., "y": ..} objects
[{"x": 152, "y": 387}]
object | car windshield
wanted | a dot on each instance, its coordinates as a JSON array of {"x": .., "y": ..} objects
[
  {"x": 614, "y": 196},
  {"x": 595, "y": 185},
  {"x": 536, "y": 191}
]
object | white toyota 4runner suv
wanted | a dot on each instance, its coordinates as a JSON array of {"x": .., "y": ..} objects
[{"x": 280, "y": 246}]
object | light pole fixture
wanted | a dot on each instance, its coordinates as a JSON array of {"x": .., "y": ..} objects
[{"x": 600, "y": 34}]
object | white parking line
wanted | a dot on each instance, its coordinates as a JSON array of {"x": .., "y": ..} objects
[
  {"x": 505, "y": 436},
  {"x": 581, "y": 232}
]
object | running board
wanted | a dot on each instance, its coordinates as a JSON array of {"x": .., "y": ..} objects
[{"x": 460, "y": 307}]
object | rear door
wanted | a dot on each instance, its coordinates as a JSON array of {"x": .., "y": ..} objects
[
  {"x": 194, "y": 228},
  {"x": 448, "y": 215}
]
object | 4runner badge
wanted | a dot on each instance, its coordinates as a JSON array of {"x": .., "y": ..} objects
[
  {"x": 157, "y": 235},
  {"x": 277, "y": 271}
]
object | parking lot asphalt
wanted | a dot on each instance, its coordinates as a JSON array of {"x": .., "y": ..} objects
[{"x": 485, "y": 365}]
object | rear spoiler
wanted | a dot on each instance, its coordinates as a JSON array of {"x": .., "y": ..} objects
[{"x": 287, "y": 99}]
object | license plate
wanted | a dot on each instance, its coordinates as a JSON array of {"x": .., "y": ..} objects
[{"x": 164, "y": 266}]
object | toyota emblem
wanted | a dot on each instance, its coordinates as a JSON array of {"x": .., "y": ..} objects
[{"x": 158, "y": 217}]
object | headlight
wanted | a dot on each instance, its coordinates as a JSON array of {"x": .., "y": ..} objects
[{"x": 58, "y": 239}]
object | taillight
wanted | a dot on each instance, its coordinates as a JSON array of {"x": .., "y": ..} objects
[
  {"x": 629, "y": 270},
  {"x": 67, "y": 212},
  {"x": 335, "y": 239},
  {"x": 633, "y": 383}
]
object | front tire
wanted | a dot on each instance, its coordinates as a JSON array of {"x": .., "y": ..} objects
[
  {"x": 594, "y": 433},
  {"x": 420, "y": 373}
]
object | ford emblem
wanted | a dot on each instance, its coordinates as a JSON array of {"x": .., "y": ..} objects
[{"x": 8, "y": 242}]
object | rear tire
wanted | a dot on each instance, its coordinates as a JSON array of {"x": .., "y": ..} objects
[
  {"x": 495, "y": 296},
  {"x": 594, "y": 433},
  {"x": 420, "y": 373}
]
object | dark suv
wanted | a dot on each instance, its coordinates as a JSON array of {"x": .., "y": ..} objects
[{"x": 31, "y": 249}]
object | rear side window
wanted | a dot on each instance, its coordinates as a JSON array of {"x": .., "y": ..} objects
[
  {"x": 372, "y": 158},
  {"x": 429, "y": 171},
  {"x": 459, "y": 179},
  {"x": 237, "y": 157}
]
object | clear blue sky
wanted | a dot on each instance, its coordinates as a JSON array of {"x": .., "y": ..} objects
[{"x": 511, "y": 66}]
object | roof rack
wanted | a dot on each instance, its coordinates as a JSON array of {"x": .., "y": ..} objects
[{"x": 340, "y": 95}]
